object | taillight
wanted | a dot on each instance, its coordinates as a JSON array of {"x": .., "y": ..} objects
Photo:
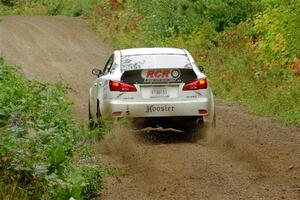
[
  {"x": 196, "y": 85},
  {"x": 121, "y": 87}
]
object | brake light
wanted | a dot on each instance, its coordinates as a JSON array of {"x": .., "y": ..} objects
[
  {"x": 196, "y": 85},
  {"x": 121, "y": 87}
]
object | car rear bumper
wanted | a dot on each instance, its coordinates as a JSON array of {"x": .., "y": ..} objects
[{"x": 121, "y": 108}]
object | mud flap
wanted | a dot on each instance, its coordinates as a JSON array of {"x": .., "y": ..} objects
[{"x": 210, "y": 119}]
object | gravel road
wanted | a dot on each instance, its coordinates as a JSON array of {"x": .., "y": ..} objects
[{"x": 245, "y": 157}]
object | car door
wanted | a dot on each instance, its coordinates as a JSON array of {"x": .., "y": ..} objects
[{"x": 99, "y": 84}]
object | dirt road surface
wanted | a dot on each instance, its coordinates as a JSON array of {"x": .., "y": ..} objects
[{"x": 245, "y": 157}]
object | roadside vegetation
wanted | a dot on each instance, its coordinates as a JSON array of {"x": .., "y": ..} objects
[
  {"x": 43, "y": 153},
  {"x": 250, "y": 49}
]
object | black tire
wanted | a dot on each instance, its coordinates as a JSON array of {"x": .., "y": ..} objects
[
  {"x": 197, "y": 132},
  {"x": 98, "y": 114},
  {"x": 91, "y": 122},
  {"x": 214, "y": 122}
]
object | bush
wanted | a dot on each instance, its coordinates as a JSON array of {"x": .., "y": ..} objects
[
  {"x": 37, "y": 142},
  {"x": 279, "y": 30},
  {"x": 237, "y": 74},
  {"x": 9, "y": 3},
  {"x": 219, "y": 12}
]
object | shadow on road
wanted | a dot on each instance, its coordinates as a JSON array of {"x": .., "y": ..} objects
[{"x": 163, "y": 136}]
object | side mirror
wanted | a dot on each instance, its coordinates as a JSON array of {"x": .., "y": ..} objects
[{"x": 97, "y": 72}]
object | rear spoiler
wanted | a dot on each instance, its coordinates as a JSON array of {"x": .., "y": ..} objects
[{"x": 148, "y": 76}]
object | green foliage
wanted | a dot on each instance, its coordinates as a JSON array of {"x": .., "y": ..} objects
[
  {"x": 38, "y": 140},
  {"x": 237, "y": 74},
  {"x": 9, "y": 3},
  {"x": 162, "y": 20},
  {"x": 48, "y": 7},
  {"x": 219, "y": 12},
  {"x": 93, "y": 184},
  {"x": 159, "y": 23},
  {"x": 279, "y": 29}
]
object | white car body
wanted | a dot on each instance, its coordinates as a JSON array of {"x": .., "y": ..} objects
[{"x": 159, "y": 77}]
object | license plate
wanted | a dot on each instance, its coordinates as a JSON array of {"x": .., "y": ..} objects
[{"x": 159, "y": 92}]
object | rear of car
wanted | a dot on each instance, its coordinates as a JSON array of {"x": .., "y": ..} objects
[{"x": 157, "y": 84}]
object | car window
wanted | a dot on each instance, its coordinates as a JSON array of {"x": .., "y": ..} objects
[
  {"x": 108, "y": 64},
  {"x": 133, "y": 62},
  {"x": 111, "y": 67}
]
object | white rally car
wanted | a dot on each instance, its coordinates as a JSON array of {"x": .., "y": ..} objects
[{"x": 158, "y": 87}]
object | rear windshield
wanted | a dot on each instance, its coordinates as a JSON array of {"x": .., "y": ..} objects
[{"x": 134, "y": 62}]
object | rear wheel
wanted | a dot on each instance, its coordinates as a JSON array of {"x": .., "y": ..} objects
[
  {"x": 91, "y": 122},
  {"x": 214, "y": 122},
  {"x": 197, "y": 130},
  {"x": 98, "y": 114}
]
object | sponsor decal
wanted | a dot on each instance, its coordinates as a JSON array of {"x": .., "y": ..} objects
[
  {"x": 191, "y": 97},
  {"x": 159, "y": 108},
  {"x": 159, "y": 75},
  {"x": 199, "y": 93},
  {"x": 120, "y": 95}
]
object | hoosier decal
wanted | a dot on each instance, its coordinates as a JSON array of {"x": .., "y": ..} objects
[
  {"x": 159, "y": 108},
  {"x": 158, "y": 75}
]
